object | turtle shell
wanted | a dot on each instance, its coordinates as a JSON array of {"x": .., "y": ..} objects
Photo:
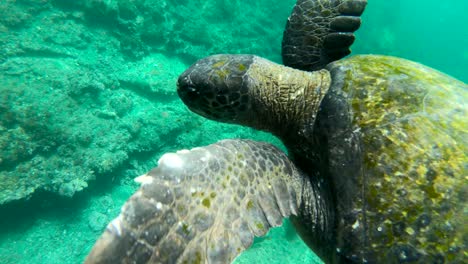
[{"x": 394, "y": 134}]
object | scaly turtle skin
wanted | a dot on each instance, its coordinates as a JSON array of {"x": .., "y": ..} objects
[{"x": 378, "y": 157}]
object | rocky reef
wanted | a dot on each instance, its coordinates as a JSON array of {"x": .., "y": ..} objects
[{"x": 88, "y": 87}]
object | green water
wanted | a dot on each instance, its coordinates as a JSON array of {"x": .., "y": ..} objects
[{"x": 88, "y": 102}]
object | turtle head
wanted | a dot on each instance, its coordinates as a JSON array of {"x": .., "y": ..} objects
[
  {"x": 255, "y": 92},
  {"x": 214, "y": 87}
]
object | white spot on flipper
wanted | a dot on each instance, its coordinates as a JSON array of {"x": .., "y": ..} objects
[
  {"x": 171, "y": 160},
  {"x": 114, "y": 226},
  {"x": 144, "y": 179},
  {"x": 207, "y": 155},
  {"x": 158, "y": 205}
]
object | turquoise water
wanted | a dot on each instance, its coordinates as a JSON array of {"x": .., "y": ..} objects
[{"x": 88, "y": 102}]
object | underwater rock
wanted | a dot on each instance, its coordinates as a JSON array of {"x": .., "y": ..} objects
[
  {"x": 85, "y": 86},
  {"x": 97, "y": 221}
]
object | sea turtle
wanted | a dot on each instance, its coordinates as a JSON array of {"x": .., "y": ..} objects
[{"x": 377, "y": 167}]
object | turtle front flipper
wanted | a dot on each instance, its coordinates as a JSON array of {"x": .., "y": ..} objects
[
  {"x": 320, "y": 31},
  {"x": 207, "y": 204}
]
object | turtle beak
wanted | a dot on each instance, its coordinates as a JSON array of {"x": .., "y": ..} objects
[
  {"x": 191, "y": 94},
  {"x": 186, "y": 90}
]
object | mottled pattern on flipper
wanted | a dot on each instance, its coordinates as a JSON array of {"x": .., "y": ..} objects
[
  {"x": 320, "y": 31},
  {"x": 204, "y": 205}
]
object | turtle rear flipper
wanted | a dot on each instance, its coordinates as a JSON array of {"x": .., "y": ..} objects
[
  {"x": 206, "y": 205},
  {"x": 320, "y": 31}
]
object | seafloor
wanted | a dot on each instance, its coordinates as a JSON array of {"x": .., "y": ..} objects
[{"x": 88, "y": 102}]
